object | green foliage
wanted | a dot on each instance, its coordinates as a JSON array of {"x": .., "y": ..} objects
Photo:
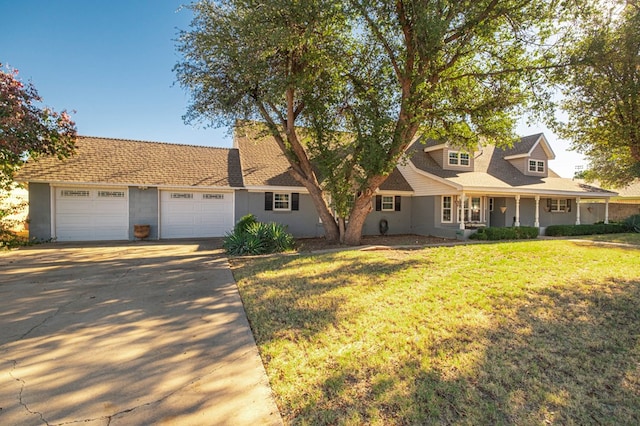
[
  {"x": 632, "y": 223},
  {"x": 245, "y": 222},
  {"x": 575, "y": 230},
  {"x": 498, "y": 233},
  {"x": 602, "y": 96},
  {"x": 250, "y": 237},
  {"x": 27, "y": 129},
  {"x": 381, "y": 71},
  {"x": 8, "y": 237}
]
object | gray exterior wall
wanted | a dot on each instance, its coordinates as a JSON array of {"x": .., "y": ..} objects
[
  {"x": 527, "y": 213},
  {"x": 300, "y": 223},
  {"x": 426, "y": 218},
  {"x": 496, "y": 217},
  {"x": 399, "y": 222},
  {"x": 39, "y": 211},
  {"x": 143, "y": 210}
]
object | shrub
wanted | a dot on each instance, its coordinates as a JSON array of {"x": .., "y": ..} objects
[
  {"x": 496, "y": 233},
  {"x": 632, "y": 223},
  {"x": 250, "y": 237},
  {"x": 574, "y": 230}
]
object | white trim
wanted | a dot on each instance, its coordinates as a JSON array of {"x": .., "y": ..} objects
[
  {"x": 393, "y": 203},
  {"x": 536, "y": 165},
  {"x": 138, "y": 184},
  {"x": 392, "y": 192},
  {"x": 280, "y": 209},
  {"x": 436, "y": 147},
  {"x": 52, "y": 210},
  {"x": 451, "y": 208},
  {"x": 299, "y": 189},
  {"x": 458, "y": 157}
]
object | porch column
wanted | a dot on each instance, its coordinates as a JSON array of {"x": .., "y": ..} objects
[
  {"x": 461, "y": 211},
  {"x": 606, "y": 210},
  {"x": 517, "y": 223},
  {"x": 577, "y": 210},
  {"x": 536, "y": 222}
]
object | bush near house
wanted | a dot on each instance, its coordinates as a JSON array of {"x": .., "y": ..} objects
[
  {"x": 250, "y": 237},
  {"x": 633, "y": 223},
  {"x": 515, "y": 233},
  {"x": 575, "y": 230}
]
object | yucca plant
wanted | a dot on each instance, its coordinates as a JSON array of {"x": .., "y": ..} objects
[{"x": 250, "y": 237}]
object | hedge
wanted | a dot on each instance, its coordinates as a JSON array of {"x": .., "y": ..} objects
[
  {"x": 515, "y": 233},
  {"x": 574, "y": 230}
]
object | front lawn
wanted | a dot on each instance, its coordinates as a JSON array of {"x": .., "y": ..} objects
[
  {"x": 512, "y": 333},
  {"x": 628, "y": 238}
]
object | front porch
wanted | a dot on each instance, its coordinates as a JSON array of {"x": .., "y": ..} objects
[{"x": 469, "y": 211}]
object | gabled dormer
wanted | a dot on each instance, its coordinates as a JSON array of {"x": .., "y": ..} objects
[
  {"x": 531, "y": 155},
  {"x": 450, "y": 158}
]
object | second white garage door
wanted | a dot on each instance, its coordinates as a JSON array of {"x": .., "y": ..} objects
[{"x": 186, "y": 214}]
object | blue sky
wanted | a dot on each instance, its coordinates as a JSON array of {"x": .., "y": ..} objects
[{"x": 111, "y": 62}]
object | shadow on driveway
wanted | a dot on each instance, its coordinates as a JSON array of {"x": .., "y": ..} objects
[{"x": 134, "y": 333}]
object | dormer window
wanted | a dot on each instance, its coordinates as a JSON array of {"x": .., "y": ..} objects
[
  {"x": 458, "y": 158},
  {"x": 536, "y": 166}
]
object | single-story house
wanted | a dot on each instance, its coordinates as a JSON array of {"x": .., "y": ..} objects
[
  {"x": 185, "y": 191},
  {"x": 625, "y": 204}
]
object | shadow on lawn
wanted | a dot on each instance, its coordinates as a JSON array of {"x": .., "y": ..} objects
[
  {"x": 566, "y": 357},
  {"x": 560, "y": 355},
  {"x": 294, "y": 307}
]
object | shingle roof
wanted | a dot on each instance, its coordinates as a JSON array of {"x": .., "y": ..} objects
[
  {"x": 492, "y": 171},
  {"x": 523, "y": 146},
  {"x": 119, "y": 161},
  {"x": 264, "y": 164},
  {"x": 261, "y": 160}
]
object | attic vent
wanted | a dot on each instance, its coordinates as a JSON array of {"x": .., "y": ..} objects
[
  {"x": 213, "y": 196},
  {"x": 184, "y": 195},
  {"x": 74, "y": 193},
  {"x": 111, "y": 194}
]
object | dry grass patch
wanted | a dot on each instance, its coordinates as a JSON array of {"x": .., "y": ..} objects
[{"x": 524, "y": 333}]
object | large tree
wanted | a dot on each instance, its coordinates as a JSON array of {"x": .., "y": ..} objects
[
  {"x": 602, "y": 95},
  {"x": 364, "y": 79},
  {"x": 26, "y": 128}
]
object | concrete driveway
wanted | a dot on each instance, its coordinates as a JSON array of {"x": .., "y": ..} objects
[{"x": 130, "y": 333}]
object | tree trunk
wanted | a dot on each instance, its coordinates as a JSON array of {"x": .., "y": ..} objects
[
  {"x": 359, "y": 214},
  {"x": 331, "y": 231}
]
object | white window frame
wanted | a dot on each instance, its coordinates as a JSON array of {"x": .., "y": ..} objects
[
  {"x": 536, "y": 166},
  {"x": 465, "y": 211},
  {"x": 560, "y": 205},
  {"x": 450, "y": 209},
  {"x": 282, "y": 198},
  {"x": 388, "y": 203},
  {"x": 457, "y": 158}
]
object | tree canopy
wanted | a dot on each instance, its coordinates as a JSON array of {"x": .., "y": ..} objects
[
  {"x": 27, "y": 129},
  {"x": 381, "y": 72},
  {"x": 602, "y": 95}
]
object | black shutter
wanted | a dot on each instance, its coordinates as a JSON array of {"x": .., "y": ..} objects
[
  {"x": 548, "y": 204},
  {"x": 568, "y": 205},
  {"x": 378, "y": 203},
  {"x": 268, "y": 200},
  {"x": 398, "y": 201},
  {"x": 295, "y": 201}
]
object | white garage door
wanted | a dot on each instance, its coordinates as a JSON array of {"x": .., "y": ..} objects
[
  {"x": 186, "y": 214},
  {"x": 91, "y": 214}
]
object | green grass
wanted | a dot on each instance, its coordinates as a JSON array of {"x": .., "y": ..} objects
[
  {"x": 629, "y": 238},
  {"x": 511, "y": 333}
]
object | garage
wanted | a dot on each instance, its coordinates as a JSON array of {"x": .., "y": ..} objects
[
  {"x": 91, "y": 214},
  {"x": 193, "y": 214}
]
